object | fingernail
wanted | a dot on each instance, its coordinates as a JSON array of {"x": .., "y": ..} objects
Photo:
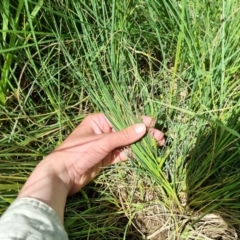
[
  {"x": 140, "y": 128},
  {"x": 124, "y": 155}
]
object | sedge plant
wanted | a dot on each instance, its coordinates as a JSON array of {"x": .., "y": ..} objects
[{"x": 176, "y": 61}]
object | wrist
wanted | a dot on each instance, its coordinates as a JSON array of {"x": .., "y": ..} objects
[
  {"x": 56, "y": 161},
  {"x": 46, "y": 185},
  {"x": 63, "y": 164}
]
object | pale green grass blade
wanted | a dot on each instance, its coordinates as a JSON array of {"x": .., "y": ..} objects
[{"x": 5, "y": 18}]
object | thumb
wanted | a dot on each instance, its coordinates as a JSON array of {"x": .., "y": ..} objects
[{"x": 125, "y": 137}]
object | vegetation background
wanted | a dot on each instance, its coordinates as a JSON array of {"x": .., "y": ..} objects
[{"x": 175, "y": 60}]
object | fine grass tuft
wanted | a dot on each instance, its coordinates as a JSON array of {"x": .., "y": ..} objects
[{"x": 176, "y": 61}]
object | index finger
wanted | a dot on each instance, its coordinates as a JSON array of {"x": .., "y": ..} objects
[{"x": 148, "y": 121}]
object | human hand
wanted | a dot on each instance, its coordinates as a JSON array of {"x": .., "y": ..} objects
[{"x": 93, "y": 145}]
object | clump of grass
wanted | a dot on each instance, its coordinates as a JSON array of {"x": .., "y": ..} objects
[
  {"x": 16, "y": 35},
  {"x": 215, "y": 159},
  {"x": 198, "y": 87},
  {"x": 177, "y": 61}
]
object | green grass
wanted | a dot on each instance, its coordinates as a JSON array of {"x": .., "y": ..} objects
[{"x": 177, "y": 61}]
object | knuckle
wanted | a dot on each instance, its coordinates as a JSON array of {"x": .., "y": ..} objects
[{"x": 125, "y": 135}]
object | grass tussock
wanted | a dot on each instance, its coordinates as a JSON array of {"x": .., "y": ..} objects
[{"x": 177, "y": 61}]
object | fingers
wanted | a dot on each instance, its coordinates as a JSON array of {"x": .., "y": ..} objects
[
  {"x": 119, "y": 155},
  {"x": 154, "y": 133},
  {"x": 123, "y": 154},
  {"x": 158, "y": 136},
  {"x": 125, "y": 137},
  {"x": 96, "y": 123},
  {"x": 99, "y": 124},
  {"x": 148, "y": 121}
]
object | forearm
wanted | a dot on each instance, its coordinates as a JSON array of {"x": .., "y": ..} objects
[{"x": 47, "y": 186}]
